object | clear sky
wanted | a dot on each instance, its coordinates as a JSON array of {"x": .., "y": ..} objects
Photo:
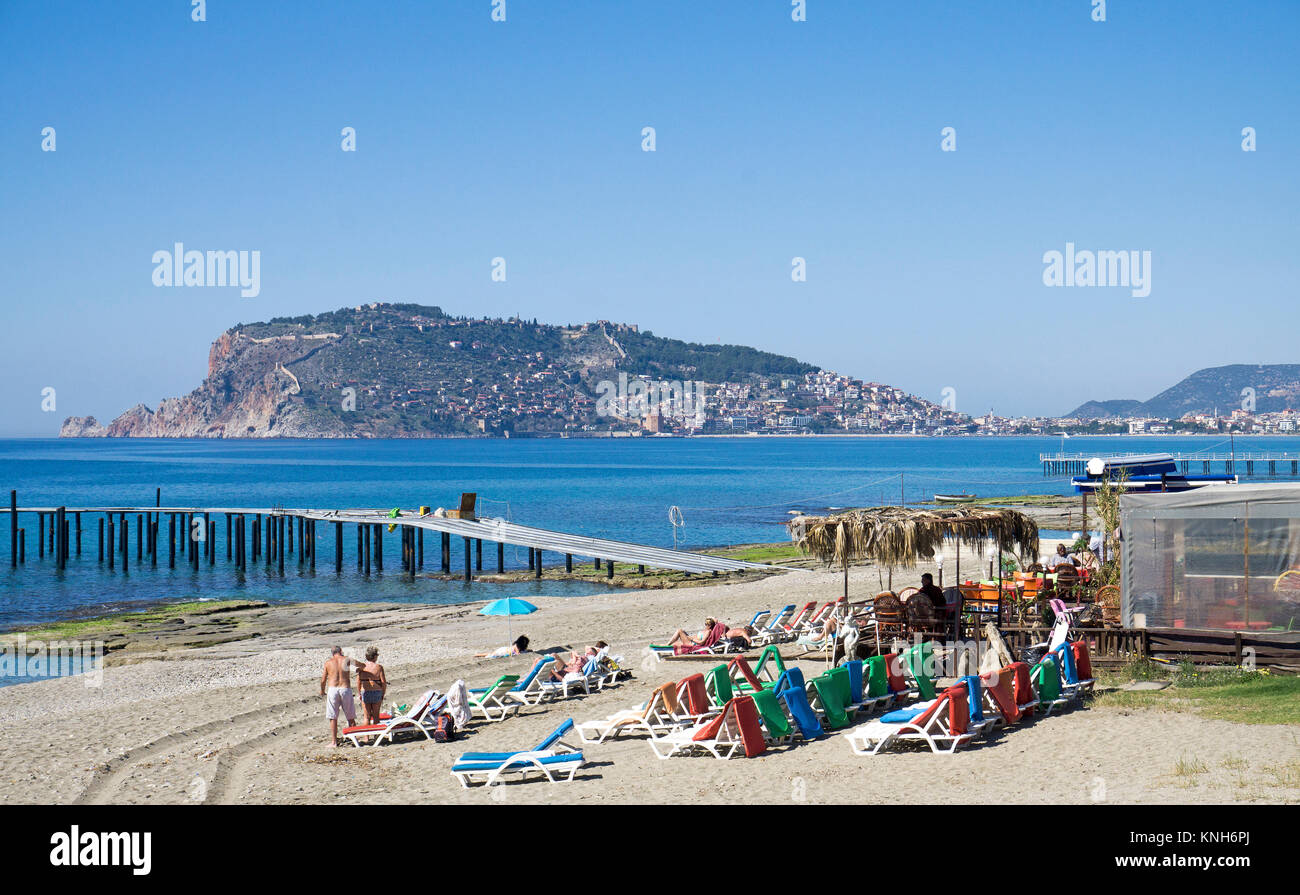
[{"x": 774, "y": 139}]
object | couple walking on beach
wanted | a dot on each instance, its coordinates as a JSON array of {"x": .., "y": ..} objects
[{"x": 336, "y": 687}]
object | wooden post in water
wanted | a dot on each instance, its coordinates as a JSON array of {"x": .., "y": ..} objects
[
  {"x": 13, "y": 529},
  {"x": 501, "y": 557},
  {"x": 531, "y": 559},
  {"x": 419, "y": 547},
  {"x": 209, "y": 542},
  {"x": 379, "y": 547},
  {"x": 40, "y": 535},
  {"x": 609, "y": 568},
  {"x": 312, "y": 526},
  {"x": 478, "y": 554},
  {"x": 59, "y": 520},
  {"x": 596, "y": 560},
  {"x": 77, "y": 516},
  {"x": 538, "y": 571},
  {"x": 279, "y": 546},
  {"x": 101, "y": 538},
  {"x": 366, "y": 550},
  {"x": 171, "y": 540},
  {"x": 230, "y": 547},
  {"x": 22, "y": 546},
  {"x": 139, "y": 537},
  {"x": 468, "y": 575},
  {"x": 338, "y": 548},
  {"x": 446, "y": 553},
  {"x": 361, "y": 545},
  {"x": 568, "y": 563},
  {"x": 194, "y": 545},
  {"x": 212, "y": 543},
  {"x": 112, "y": 544}
]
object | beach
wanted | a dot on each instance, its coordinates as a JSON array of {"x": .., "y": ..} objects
[{"x": 242, "y": 722}]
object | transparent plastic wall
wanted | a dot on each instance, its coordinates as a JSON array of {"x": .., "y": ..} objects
[{"x": 1222, "y": 566}]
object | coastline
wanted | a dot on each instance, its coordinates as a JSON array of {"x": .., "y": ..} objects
[{"x": 241, "y": 722}]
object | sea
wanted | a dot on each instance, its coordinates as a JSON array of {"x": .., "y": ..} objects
[{"x": 690, "y": 493}]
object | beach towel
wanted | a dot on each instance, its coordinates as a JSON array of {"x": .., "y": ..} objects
[
  {"x": 739, "y": 664},
  {"x": 877, "y": 679},
  {"x": 721, "y": 683},
  {"x": 716, "y": 633},
  {"x": 1066, "y": 659},
  {"x": 920, "y": 661},
  {"x": 458, "y": 703},
  {"x": 769, "y": 710},
  {"x": 974, "y": 697},
  {"x": 1000, "y": 686},
  {"x": 894, "y": 671},
  {"x": 1082, "y": 660},
  {"x": 1022, "y": 687},
  {"x": 697, "y": 698},
  {"x": 751, "y": 731},
  {"x": 958, "y": 710},
  {"x": 854, "y": 668},
  {"x": 796, "y": 703}
]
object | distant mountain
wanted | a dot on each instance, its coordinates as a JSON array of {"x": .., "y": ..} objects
[
  {"x": 1273, "y": 387},
  {"x": 404, "y": 370},
  {"x": 1100, "y": 410}
]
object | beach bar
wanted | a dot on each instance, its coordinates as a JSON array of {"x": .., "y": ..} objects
[{"x": 1223, "y": 558}]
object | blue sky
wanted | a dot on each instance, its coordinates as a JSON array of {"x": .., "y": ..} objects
[{"x": 775, "y": 139}]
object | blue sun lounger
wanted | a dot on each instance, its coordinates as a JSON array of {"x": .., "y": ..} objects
[{"x": 552, "y": 758}]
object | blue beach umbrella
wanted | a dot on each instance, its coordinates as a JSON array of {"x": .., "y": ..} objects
[{"x": 508, "y": 606}]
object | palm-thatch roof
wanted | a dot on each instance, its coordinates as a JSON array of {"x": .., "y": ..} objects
[{"x": 899, "y": 536}]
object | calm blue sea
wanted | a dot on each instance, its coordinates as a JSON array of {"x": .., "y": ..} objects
[{"x": 729, "y": 491}]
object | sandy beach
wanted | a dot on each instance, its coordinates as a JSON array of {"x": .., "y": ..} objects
[{"x": 242, "y": 722}]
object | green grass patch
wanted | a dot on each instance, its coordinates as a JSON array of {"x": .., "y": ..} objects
[
  {"x": 83, "y": 627},
  {"x": 1228, "y": 694},
  {"x": 767, "y": 553}
]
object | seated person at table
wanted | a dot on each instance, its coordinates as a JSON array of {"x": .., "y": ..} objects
[
  {"x": 934, "y": 592},
  {"x": 1060, "y": 559}
]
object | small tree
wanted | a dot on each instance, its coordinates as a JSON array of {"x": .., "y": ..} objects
[{"x": 1107, "y": 497}]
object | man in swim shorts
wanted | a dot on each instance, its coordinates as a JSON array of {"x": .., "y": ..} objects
[{"x": 336, "y": 687}]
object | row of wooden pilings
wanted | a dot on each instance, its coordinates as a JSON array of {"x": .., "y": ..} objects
[{"x": 249, "y": 537}]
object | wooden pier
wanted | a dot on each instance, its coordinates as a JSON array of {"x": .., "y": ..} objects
[
  {"x": 1241, "y": 463},
  {"x": 266, "y": 535}
]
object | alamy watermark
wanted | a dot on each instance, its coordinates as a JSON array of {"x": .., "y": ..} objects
[
  {"x": 194, "y": 268},
  {"x": 642, "y": 398},
  {"x": 1130, "y": 269},
  {"x": 38, "y": 659}
]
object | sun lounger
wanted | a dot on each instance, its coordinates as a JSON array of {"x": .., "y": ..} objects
[
  {"x": 776, "y": 723},
  {"x": 918, "y": 663},
  {"x": 529, "y": 689},
  {"x": 715, "y": 641},
  {"x": 692, "y": 694},
  {"x": 941, "y": 725},
  {"x": 659, "y": 714},
  {"x": 717, "y": 683},
  {"x": 1000, "y": 696},
  {"x": 878, "y": 694},
  {"x": 552, "y": 759},
  {"x": 976, "y": 721},
  {"x": 1047, "y": 681},
  {"x": 767, "y": 671},
  {"x": 415, "y": 720},
  {"x": 794, "y": 627},
  {"x": 1023, "y": 689},
  {"x": 791, "y": 691},
  {"x": 490, "y": 702},
  {"x": 737, "y": 727},
  {"x": 827, "y": 697},
  {"x": 774, "y": 630},
  {"x": 591, "y": 675}
]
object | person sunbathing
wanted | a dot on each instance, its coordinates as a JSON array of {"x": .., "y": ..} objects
[
  {"x": 577, "y": 661},
  {"x": 740, "y": 637},
  {"x": 827, "y": 632},
  {"x": 510, "y": 649},
  {"x": 681, "y": 638}
]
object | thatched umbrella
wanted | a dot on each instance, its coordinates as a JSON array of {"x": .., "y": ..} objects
[{"x": 899, "y": 536}]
